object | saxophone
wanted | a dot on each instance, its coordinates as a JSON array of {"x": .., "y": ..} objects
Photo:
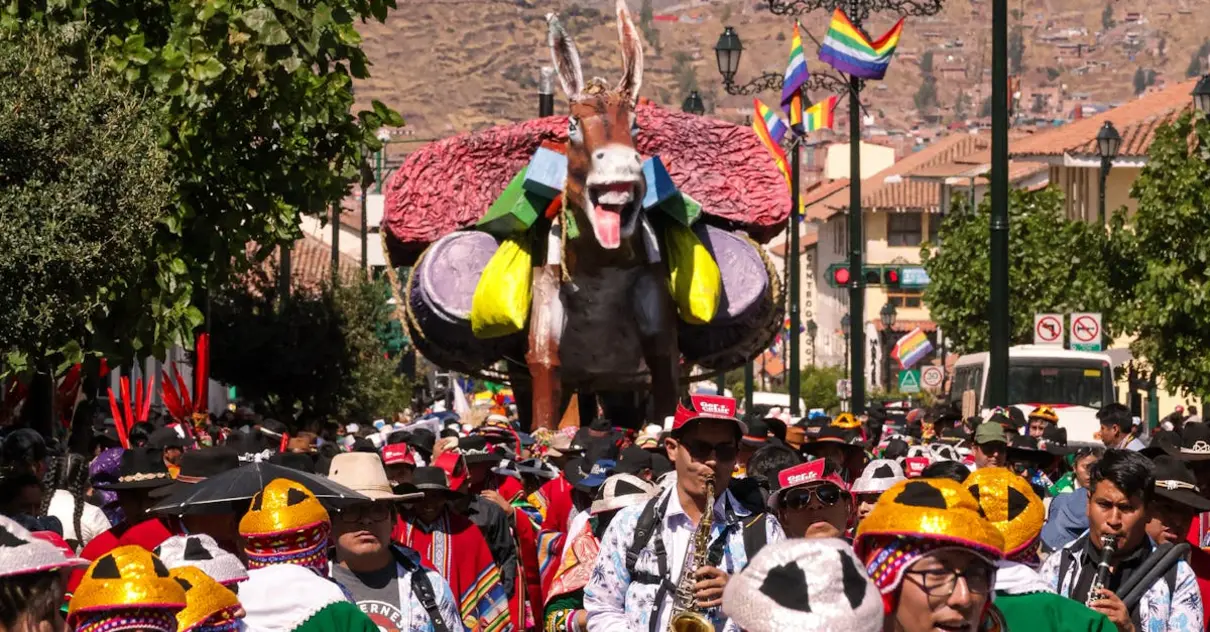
[
  {"x": 686, "y": 616},
  {"x": 1108, "y": 548}
]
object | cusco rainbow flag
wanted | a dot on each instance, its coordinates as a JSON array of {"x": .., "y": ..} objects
[
  {"x": 819, "y": 116},
  {"x": 795, "y": 79},
  {"x": 770, "y": 130},
  {"x": 911, "y": 348},
  {"x": 848, "y": 50}
]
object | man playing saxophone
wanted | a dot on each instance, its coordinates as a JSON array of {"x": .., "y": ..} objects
[{"x": 650, "y": 569}]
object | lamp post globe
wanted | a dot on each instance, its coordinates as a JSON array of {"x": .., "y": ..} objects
[
  {"x": 1201, "y": 95},
  {"x": 888, "y": 314},
  {"x": 693, "y": 104},
  {"x": 812, "y": 328},
  {"x": 1109, "y": 141},
  {"x": 845, "y": 324},
  {"x": 727, "y": 52}
]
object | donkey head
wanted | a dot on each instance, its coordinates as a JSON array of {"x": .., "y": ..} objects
[{"x": 604, "y": 170}]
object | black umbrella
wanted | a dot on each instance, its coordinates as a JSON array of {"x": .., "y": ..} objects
[{"x": 232, "y": 490}]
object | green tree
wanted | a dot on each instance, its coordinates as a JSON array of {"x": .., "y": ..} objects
[
  {"x": 1016, "y": 50},
  {"x": 926, "y": 63},
  {"x": 818, "y": 388},
  {"x": 1140, "y": 81},
  {"x": 1164, "y": 283},
  {"x": 1055, "y": 265},
  {"x": 84, "y": 182},
  {"x": 1107, "y": 17},
  {"x": 1197, "y": 63},
  {"x": 925, "y": 98},
  {"x": 315, "y": 356},
  {"x": 962, "y": 106},
  {"x": 255, "y": 100}
]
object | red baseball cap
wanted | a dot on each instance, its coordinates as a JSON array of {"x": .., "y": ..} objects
[
  {"x": 813, "y": 471},
  {"x": 398, "y": 454},
  {"x": 914, "y": 465},
  {"x": 455, "y": 468},
  {"x": 697, "y": 407}
]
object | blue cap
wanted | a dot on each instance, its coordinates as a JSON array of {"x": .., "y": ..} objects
[{"x": 600, "y": 471}]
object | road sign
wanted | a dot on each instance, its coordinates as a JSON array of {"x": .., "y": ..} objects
[
  {"x": 1086, "y": 332},
  {"x": 844, "y": 388},
  {"x": 1048, "y": 329},
  {"x": 909, "y": 381},
  {"x": 931, "y": 377}
]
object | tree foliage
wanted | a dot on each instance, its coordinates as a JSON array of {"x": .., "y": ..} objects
[
  {"x": 83, "y": 182},
  {"x": 317, "y": 355},
  {"x": 1164, "y": 283},
  {"x": 254, "y": 100},
  {"x": 1055, "y": 265}
]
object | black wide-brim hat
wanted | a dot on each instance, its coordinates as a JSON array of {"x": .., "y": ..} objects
[
  {"x": 1195, "y": 443},
  {"x": 140, "y": 468},
  {"x": 432, "y": 479},
  {"x": 198, "y": 465},
  {"x": 1176, "y": 482}
]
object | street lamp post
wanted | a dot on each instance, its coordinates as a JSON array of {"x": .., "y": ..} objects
[
  {"x": 1201, "y": 95},
  {"x": 1108, "y": 143},
  {"x": 728, "y": 51},
  {"x": 887, "y": 315},
  {"x": 812, "y": 331},
  {"x": 693, "y": 104},
  {"x": 998, "y": 321},
  {"x": 845, "y": 328}
]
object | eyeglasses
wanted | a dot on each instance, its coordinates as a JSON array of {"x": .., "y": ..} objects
[
  {"x": 828, "y": 496},
  {"x": 373, "y": 512},
  {"x": 941, "y": 582},
  {"x": 700, "y": 450}
]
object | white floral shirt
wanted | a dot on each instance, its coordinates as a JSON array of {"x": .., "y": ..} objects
[
  {"x": 1159, "y": 611},
  {"x": 615, "y": 603}
]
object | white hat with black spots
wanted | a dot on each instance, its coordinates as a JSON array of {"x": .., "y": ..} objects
[
  {"x": 620, "y": 491},
  {"x": 815, "y": 585},
  {"x": 879, "y": 476},
  {"x": 21, "y": 552},
  {"x": 203, "y": 552}
]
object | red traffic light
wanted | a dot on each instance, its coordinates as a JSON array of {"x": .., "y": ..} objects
[
  {"x": 840, "y": 276},
  {"x": 891, "y": 276}
]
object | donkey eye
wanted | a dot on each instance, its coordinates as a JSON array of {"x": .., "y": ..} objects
[{"x": 573, "y": 131}]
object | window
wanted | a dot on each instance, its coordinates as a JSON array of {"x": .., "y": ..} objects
[
  {"x": 904, "y": 229},
  {"x": 905, "y": 298},
  {"x": 935, "y": 229}
]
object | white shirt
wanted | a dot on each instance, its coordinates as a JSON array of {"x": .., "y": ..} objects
[{"x": 92, "y": 522}]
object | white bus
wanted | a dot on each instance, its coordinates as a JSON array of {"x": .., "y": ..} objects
[{"x": 1075, "y": 383}]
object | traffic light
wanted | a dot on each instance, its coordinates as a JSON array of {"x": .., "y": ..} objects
[
  {"x": 872, "y": 277},
  {"x": 891, "y": 277},
  {"x": 838, "y": 275}
]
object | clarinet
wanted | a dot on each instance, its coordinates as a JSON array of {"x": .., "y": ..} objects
[{"x": 1108, "y": 548}]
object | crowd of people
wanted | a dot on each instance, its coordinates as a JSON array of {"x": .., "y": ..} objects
[{"x": 899, "y": 521}]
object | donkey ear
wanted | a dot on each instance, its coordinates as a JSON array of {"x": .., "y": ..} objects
[
  {"x": 566, "y": 58},
  {"x": 632, "y": 54}
]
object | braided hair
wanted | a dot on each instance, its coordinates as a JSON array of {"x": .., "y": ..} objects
[
  {"x": 69, "y": 473},
  {"x": 31, "y": 596}
]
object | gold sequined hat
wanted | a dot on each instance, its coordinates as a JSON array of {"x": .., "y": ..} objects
[
  {"x": 128, "y": 577},
  {"x": 932, "y": 509},
  {"x": 208, "y": 603},
  {"x": 1010, "y": 504},
  {"x": 282, "y": 506}
]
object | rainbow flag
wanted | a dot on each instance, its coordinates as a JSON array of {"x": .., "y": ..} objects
[
  {"x": 795, "y": 79},
  {"x": 761, "y": 125},
  {"x": 848, "y": 50},
  {"x": 819, "y": 116},
  {"x": 911, "y": 348}
]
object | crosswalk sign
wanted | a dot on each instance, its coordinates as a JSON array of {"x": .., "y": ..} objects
[{"x": 909, "y": 381}]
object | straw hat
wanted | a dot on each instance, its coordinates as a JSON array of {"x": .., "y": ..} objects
[{"x": 363, "y": 472}]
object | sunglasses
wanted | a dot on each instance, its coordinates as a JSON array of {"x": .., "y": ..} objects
[
  {"x": 701, "y": 450},
  {"x": 828, "y": 496},
  {"x": 374, "y": 512}
]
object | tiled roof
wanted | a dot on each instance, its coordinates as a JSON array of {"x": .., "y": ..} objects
[
  {"x": 900, "y": 192},
  {"x": 311, "y": 263},
  {"x": 1136, "y": 121},
  {"x": 804, "y": 242}
]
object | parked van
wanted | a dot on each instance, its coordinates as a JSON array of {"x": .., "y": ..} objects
[{"x": 1075, "y": 383}]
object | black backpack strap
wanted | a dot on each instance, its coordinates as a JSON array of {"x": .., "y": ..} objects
[
  {"x": 756, "y": 535},
  {"x": 423, "y": 589},
  {"x": 647, "y": 522}
]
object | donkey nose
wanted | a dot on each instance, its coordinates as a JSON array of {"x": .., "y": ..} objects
[{"x": 638, "y": 159}]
